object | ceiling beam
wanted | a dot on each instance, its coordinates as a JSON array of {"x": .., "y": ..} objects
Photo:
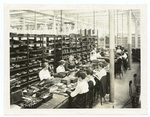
[{"x": 135, "y": 18}]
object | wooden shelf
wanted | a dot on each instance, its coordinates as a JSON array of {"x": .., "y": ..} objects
[
  {"x": 68, "y": 53},
  {"x": 65, "y": 47},
  {"x": 19, "y": 44},
  {"x": 34, "y": 65},
  {"x": 50, "y": 43},
  {"x": 25, "y": 83},
  {"x": 35, "y": 58},
  {"x": 23, "y": 75},
  {"x": 13, "y": 70},
  {"x": 18, "y": 61},
  {"x": 33, "y": 80},
  {"x": 46, "y": 54},
  {"x": 18, "y": 53},
  {"x": 85, "y": 41},
  {"x": 35, "y": 50},
  {"x": 35, "y": 72}
]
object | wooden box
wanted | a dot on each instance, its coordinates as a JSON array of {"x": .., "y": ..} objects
[{"x": 65, "y": 80}]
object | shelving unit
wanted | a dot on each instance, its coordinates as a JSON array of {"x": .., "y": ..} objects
[
  {"x": 28, "y": 52},
  {"x": 26, "y": 58}
]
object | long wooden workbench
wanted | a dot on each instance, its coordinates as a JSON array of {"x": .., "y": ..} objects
[{"x": 58, "y": 101}]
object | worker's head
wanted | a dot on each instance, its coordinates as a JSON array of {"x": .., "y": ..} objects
[
  {"x": 81, "y": 75},
  {"x": 61, "y": 62},
  {"x": 102, "y": 65},
  {"x": 78, "y": 58},
  {"x": 70, "y": 58},
  {"x": 89, "y": 71},
  {"x": 97, "y": 51},
  {"x": 45, "y": 65},
  {"x": 134, "y": 75}
]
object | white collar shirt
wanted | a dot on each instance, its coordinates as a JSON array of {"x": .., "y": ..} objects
[
  {"x": 82, "y": 87},
  {"x": 101, "y": 74},
  {"x": 44, "y": 74},
  {"x": 60, "y": 69}
]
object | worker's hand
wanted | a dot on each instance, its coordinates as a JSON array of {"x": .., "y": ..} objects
[{"x": 68, "y": 92}]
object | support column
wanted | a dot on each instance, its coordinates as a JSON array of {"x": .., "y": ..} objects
[
  {"x": 129, "y": 39},
  {"x": 45, "y": 28},
  {"x": 104, "y": 35},
  {"x": 117, "y": 30},
  {"x": 77, "y": 24},
  {"x": 112, "y": 48},
  {"x": 35, "y": 29},
  {"x": 61, "y": 22},
  {"x": 93, "y": 22},
  {"x": 54, "y": 25},
  {"x": 122, "y": 31},
  {"x": 23, "y": 28},
  {"x": 136, "y": 34}
]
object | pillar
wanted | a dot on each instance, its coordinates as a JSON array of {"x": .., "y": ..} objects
[
  {"x": 136, "y": 34},
  {"x": 23, "y": 26},
  {"x": 77, "y": 24},
  {"x": 104, "y": 35},
  {"x": 54, "y": 25},
  {"x": 93, "y": 22},
  {"x": 117, "y": 30},
  {"x": 122, "y": 31},
  {"x": 35, "y": 28},
  {"x": 129, "y": 39},
  {"x": 112, "y": 48},
  {"x": 61, "y": 22}
]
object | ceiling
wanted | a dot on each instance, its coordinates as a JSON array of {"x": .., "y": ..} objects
[{"x": 88, "y": 17}]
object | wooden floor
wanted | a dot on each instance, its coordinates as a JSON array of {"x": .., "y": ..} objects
[{"x": 121, "y": 89}]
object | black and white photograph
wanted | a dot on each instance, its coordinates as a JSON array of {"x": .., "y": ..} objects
[{"x": 74, "y": 58}]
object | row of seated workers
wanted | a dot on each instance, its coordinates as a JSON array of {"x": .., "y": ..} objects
[{"x": 92, "y": 84}]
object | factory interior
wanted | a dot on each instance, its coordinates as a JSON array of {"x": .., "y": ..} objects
[{"x": 75, "y": 59}]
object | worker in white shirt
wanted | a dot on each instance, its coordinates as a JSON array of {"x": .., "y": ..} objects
[
  {"x": 101, "y": 73},
  {"x": 93, "y": 56},
  {"x": 118, "y": 51},
  {"x": 90, "y": 77},
  {"x": 124, "y": 56},
  {"x": 82, "y": 86},
  {"x": 61, "y": 67},
  {"x": 98, "y": 54},
  {"x": 44, "y": 73}
]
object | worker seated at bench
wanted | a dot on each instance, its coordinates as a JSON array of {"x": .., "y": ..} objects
[
  {"x": 91, "y": 82},
  {"x": 78, "y": 98},
  {"x": 93, "y": 55},
  {"x": 61, "y": 67},
  {"x": 44, "y": 73},
  {"x": 98, "y": 55},
  {"x": 90, "y": 77},
  {"x": 78, "y": 61},
  {"x": 99, "y": 74},
  {"x": 70, "y": 63}
]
